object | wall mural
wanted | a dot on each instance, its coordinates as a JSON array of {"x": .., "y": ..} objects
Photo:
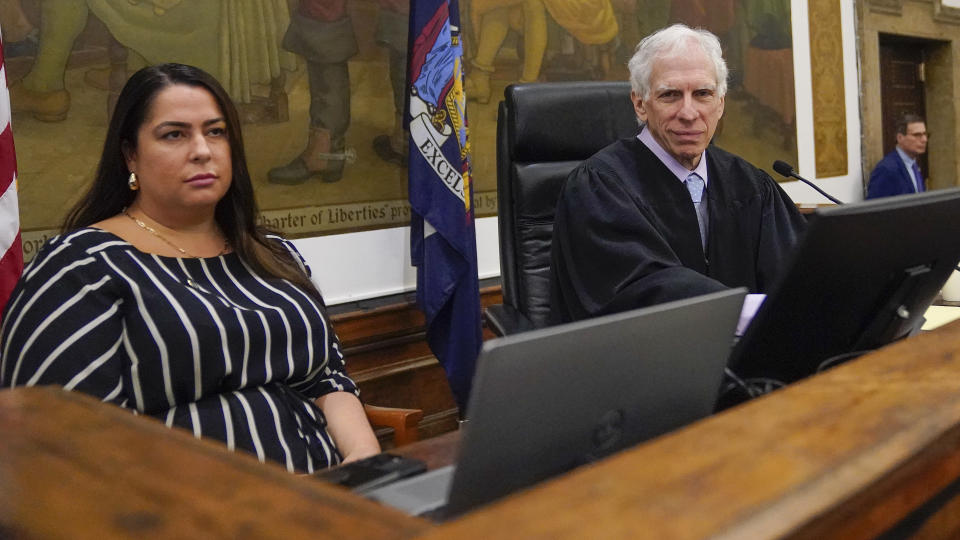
[{"x": 319, "y": 85}]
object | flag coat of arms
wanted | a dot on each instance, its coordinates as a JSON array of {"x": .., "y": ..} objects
[
  {"x": 11, "y": 253},
  {"x": 443, "y": 238}
]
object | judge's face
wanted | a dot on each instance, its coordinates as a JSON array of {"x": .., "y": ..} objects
[
  {"x": 683, "y": 107},
  {"x": 914, "y": 142},
  {"x": 182, "y": 155}
]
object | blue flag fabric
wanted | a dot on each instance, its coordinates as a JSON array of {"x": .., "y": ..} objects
[{"x": 442, "y": 235}]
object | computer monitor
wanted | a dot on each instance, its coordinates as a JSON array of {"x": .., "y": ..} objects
[{"x": 861, "y": 277}]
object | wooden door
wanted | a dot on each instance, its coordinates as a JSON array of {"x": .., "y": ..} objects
[{"x": 901, "y": 87}]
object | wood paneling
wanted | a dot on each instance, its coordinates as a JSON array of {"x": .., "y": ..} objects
[{"x": 384, "y": 342}]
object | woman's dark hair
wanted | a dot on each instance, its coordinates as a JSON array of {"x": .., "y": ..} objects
[{"x": 236, "y": 213}]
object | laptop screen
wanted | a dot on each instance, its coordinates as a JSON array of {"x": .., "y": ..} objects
[{"x": 549, "y": 400}]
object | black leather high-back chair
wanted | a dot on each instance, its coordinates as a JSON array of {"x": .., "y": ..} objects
[{"x": 544, "y": 130}]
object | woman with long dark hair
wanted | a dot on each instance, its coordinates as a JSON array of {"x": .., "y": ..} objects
[{"x": 163, "y": 295}]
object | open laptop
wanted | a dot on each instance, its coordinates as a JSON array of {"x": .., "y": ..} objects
[{"x": 549, "y": 400}]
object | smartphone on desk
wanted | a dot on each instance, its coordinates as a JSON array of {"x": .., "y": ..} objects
[{"x": 372, "y": 472}]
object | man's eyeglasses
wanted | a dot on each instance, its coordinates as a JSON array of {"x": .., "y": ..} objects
[{"x": 919, "y": 134}]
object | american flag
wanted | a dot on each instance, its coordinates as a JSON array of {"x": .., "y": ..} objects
[{"x": 11, "y": 261}]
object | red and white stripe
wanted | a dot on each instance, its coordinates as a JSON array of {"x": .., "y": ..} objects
[{"x": 11, "y": 261}]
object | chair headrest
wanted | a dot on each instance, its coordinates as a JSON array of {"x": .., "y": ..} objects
[{"x": 567, "y": 120}]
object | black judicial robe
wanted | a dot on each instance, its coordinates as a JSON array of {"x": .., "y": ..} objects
[{"x": 626, "y": 232}]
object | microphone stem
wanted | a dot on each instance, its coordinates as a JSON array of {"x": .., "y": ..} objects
[{"x": 818, "y": 190}]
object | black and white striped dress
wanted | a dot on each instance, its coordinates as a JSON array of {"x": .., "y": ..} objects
[{"x": 203, "y": 344}]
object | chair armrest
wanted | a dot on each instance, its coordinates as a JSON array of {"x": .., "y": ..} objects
[
  {"x": 403, "y": 421},
  {"x": 504, "y": 320}
]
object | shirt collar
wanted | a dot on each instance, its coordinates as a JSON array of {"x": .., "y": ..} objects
[
  {"x": 671, "y": 162},
  {"x": 907, "y": 160}
]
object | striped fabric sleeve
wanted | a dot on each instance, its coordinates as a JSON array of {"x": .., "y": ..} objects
[
  {"x": 295, "y": 253},
  {"x": 332, "y": 377},
  {"x": 63, "y": 325}
]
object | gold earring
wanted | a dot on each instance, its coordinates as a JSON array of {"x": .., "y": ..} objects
[{"x": 132, "y": 182}]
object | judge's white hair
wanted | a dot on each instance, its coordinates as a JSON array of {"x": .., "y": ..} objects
[{"x": 672, "y": 42}]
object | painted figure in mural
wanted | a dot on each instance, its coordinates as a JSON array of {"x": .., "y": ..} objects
[
  {"x": 768, "y": 64},
  {"x": 898, "y": 172},
  {"x": 19, "y": 35},
  {"x": 666, "y": 215},
  {"x": 745, "y": 27},
  {"x": 391, "y": 33},
  {"x": 717, "y": 16},
  {"x": 591, "y": 22},
  {"x": 163, "y": 296},
  {"x": 321, "y": 31},
  {"x": 769, "y": 24},
  {"x": 236, "y": 41}
]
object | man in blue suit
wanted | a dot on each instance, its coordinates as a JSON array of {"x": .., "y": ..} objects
[{"x": 898, "y": 171}]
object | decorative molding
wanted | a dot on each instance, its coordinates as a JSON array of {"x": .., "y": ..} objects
[
  {"x": 892, "y": 7},
  {"x": 945, "y": 14},
  {"x": 826, "y": 74}
]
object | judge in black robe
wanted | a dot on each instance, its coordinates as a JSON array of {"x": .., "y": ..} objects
[{"x": 626, "y": 233}]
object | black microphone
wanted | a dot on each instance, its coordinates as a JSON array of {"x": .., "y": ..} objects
[{"x": 784, "y": 168}]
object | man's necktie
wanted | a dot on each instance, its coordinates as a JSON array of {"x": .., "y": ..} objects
[
  {"x": 918, "y": 176},
  {"x": 695, "y": 186}
]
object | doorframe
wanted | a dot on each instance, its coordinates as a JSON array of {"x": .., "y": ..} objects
[{"x": 914, "y": 20}]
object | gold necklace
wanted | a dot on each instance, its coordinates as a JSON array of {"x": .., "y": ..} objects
[{"x": 151, "y": 230}]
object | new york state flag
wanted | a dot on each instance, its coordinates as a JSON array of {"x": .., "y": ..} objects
[{"x": 442, "y": 237}]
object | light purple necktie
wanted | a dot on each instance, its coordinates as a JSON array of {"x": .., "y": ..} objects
[
  {"x": 918, "y": 177},
  {"x": 695, "y": 186}
]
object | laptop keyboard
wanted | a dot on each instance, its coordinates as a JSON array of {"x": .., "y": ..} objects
[{"x": 417, "y": 495}]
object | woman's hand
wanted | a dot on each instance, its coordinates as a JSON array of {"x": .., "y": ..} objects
[{"x": 348, "y": 425}]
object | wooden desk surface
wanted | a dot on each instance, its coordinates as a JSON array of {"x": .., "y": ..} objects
[
  {"x": 71, "y": 467},
  {"x": 436, "y": 452},
  {"x": 846, "y": 454}
]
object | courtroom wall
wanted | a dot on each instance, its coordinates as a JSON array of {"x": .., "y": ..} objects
[
  {"x": 935, "y": 25},
  {"x": 778, "y": 80},
  {"x": 66, "y": 62},
  {"x": 343, "y": 282}
]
